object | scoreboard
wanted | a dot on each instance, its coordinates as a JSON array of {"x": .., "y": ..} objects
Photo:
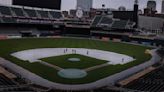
[{"x": 51, "y": 4}]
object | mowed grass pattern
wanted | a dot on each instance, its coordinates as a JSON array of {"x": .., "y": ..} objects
[{"x": 13, "y": 45}]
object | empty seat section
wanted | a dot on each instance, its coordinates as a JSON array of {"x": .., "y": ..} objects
[
  {"x": 5, "y": 81},
  {"x": 96, "y": 21},
  {"x": 9, "y": 32},
  {"x": 17, "y": 89},
  {"x": 119, "y": 24},
  {"x": 5, "y": 11},
  {"x": 55, "y": 14},
  {"x": 31, "y": 13},
  {"x": 18, "y": 12},
  {"x": 8, "y": 20},
  {"x": 130, "y": 23},
  {"x": 106, "y": 20},
  {"x": 151, "y": 82},
  {"x": 43, "y": 14}
]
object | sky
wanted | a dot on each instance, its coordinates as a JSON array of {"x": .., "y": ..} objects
[{"x": 71, "y": 4}]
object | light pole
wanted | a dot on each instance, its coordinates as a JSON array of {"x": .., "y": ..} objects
[{"x": 103, "y": 9}]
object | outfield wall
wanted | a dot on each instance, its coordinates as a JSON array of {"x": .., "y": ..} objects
[{"x": 100, "y": 83}]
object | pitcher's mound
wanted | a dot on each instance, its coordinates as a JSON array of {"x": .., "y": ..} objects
[{"x": 72, "y": 73}]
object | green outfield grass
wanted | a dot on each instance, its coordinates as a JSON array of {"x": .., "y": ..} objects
[{"x": 13, "y": 45}]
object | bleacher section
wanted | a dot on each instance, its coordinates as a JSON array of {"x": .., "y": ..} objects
[
  {"x": 97, "y": 90},
  {"x": 31, "y": 13},
  {"x": 8, "y": 85},
  {"x": 10, "y": 82},
  {"x": 105, "y": 21},
  {"x": 4, "y": 81},
  {"x": 5, "y": 11},
  {"x": 96, "y": 20},
  {"x": 152, "y": 82},
  {"x": 121, "y": 24},
  {"x": 43, "y": 14},
  {"x": 18, "y": 12},
  {"x": 135, "y": 76},
  {"x": 17, "y": 89},
  {"x": 28, "y": 15},
  {"x": 8, "y": 20},
  {"x": 161, "y": 52},
  {"x": 55, "y": 15}
]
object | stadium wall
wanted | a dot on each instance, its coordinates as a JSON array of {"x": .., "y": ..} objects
[{"x": 100, "y": 83}]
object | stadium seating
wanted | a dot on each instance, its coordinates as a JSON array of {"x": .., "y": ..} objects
[
  {"x": 6, "y": 85},
  {"x": 8, "y": 20},
  {"x": 5, "y": 11},
  {"x": 16, "y": 88},
  {"x": 55, "y": 15},
  {"x": 152, "y": 82},
  {"x": 161, "y": 52},
  {"x": 9, "y": 32},
  {"x": 96, "y": 20},
  {"x": 106, "y": 20},
  {"x": 131, "y": 23},
  {"x": 43, "y": 14},
  {"x": 4, "y": 81},
  {"x": 98, "y": 90},
  {"x": 28, "y": 15},
  {"x": 31, "y": 13},
  {"x": 120, "y": 24},
  {"x": 18, "y": 12}
]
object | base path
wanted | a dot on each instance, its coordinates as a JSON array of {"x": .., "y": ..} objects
[
  {"x": 95, "y": 67},
  {"x": 51, "y": 65}
]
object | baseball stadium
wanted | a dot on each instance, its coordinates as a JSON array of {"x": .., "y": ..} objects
[{"x": 45, "y": 49}]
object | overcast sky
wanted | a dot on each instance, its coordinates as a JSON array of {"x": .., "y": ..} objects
[{"x": 71, "y": 4}]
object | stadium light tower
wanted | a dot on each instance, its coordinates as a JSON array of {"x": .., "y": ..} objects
[
  {"x": 136, "y": 1},
  {"x": 103, "y": 5},
  {"x": 103, "y": 9},
  {"x": 162, "y": 10},
  {"x": 135, "y": 16}
]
